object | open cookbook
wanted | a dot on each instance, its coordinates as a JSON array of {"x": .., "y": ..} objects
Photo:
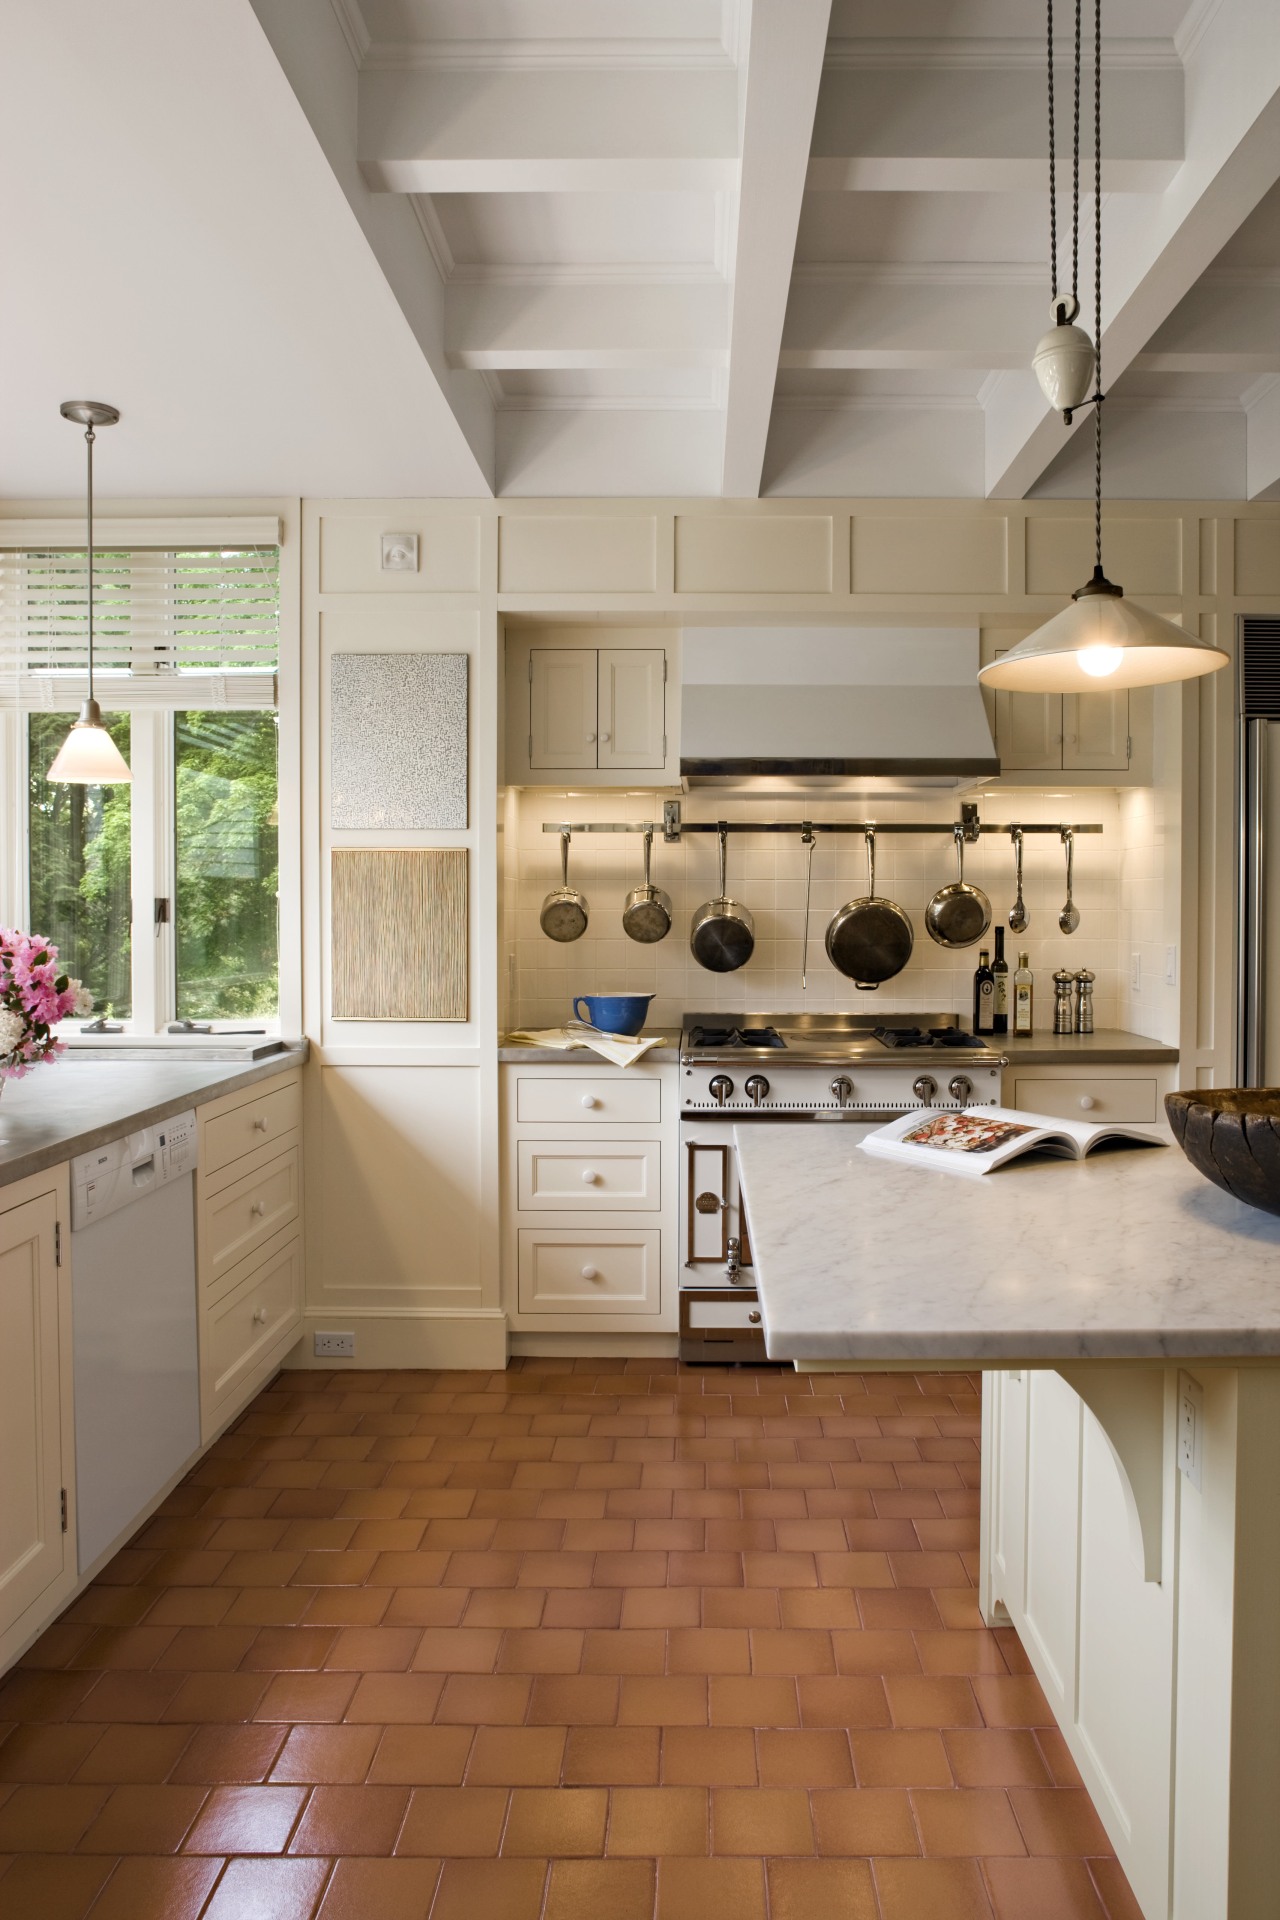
[{"x": 980, "y": 1139}]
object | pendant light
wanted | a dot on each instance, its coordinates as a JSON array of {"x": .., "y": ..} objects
[
  {"x": 1101, "y": 640},
  {"x": 89, "y": 756}
]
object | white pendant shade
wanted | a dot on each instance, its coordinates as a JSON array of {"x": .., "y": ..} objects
[
  {"x": 1102, "y": 641},
  {"x": 89, "y": 757}
]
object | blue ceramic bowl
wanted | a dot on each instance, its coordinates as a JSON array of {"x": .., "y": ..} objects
[{"x": 613, "y": 1012}]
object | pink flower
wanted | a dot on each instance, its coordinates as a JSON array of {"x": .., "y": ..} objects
[{"x": 34, "y": 996}]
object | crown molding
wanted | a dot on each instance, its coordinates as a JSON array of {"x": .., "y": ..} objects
[
  {"x": 1259, "y": 390},
  {"x": 434, "y": 235},
  {"x": 1172, "y": 403},
  {"x": 626, "y": 273},
  {"x": 601, "y": 403},
  {"x": 354, "y": 31},
  {"x": 1195, "y": 24},
  {"x": 1004, "y": 55},
  {"x": 875, "y": 403},
  {"x": 540, "y": 56},
  {"x": 921, "y": 273}
]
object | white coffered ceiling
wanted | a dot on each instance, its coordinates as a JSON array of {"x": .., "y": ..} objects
[{"x": 652, "y": 246}]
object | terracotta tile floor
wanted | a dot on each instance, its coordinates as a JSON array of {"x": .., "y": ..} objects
[{"x": 580, "y": 1641}]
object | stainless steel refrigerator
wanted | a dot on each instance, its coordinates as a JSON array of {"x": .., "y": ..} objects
[{"x": 1258, "y": 776}]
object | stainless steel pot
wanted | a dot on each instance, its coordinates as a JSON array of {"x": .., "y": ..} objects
[
  {"x": 959, "y": 914},
  {"x": 564, "y": 911},
  {"x": 870, "y": 939},
  {"x": 647, "y": 914},
  {"x": 722, "y": 937}
]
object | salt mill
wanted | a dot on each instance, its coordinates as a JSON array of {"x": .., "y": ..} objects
[
  {"x": 1063, "y": 1019},
  {"x": 1084, "y": 1000}
]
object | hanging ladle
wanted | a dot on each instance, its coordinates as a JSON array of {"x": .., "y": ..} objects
[
  {"x": 1069, "y": 918},
  {"x": 1018, "y": 917}
]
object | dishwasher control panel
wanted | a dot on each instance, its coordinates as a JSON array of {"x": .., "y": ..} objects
[{"x": 122, "y": 1171}]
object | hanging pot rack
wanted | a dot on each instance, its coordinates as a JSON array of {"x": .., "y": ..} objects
[{"x": 673, "y": 828}]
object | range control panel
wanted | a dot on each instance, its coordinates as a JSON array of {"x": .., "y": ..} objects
[{"x": 737, "y": 1088}]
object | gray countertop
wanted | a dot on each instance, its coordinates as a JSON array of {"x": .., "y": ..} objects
[
  {"x": 57, "y": 1112},
  {"x": 1128, "y": 1255}
]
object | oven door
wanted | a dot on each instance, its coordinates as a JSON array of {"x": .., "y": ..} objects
[{"x": 715, "y": 1249}]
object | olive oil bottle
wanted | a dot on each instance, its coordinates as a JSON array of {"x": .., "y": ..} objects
[
  {"x": 984, "y": 995},
  {"x": 1023, "y": 996},
  {"x": 1000, "y": 971}
]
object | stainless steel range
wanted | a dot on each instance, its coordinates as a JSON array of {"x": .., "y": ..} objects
[{"x": 849, "y": 1069}]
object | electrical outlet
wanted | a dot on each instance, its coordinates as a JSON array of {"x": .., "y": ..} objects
[
  {"x": 1190, "y": 1429},
  {"x": 334, "y": 1346},
  {"x": 1171, "y": 966},
  {"x": 1135, "y": 973}
]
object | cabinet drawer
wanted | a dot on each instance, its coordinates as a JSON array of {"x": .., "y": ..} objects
[
  {"x": 1094, "y": 1100},
  {"x": 245, "y": 1215},
  {"x": 566, "y": 1098},
  {"x": 590, "y": 1272},
  {"x": 740, "y": 1311},
  {"x": 239, "y": 1329},
  {"x": 255, "y": 1124},
  {"x": 565, "y": 1177}
]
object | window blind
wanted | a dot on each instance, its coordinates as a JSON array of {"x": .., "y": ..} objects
[{"x": 173, "y": 627}]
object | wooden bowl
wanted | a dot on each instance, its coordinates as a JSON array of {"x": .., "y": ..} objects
[{"x": 1232, "y": 1136}]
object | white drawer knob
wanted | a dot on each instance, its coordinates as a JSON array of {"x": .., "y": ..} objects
[
  {"x": 591, "y": 1273},
  {"x": 589, "y": 1100},
  {"x": 260, "y": 1315},
  {"x": 260, "y": 1124},
  {"x": 1087, "y": 1101},
  {"x": 589, "y": 1177},
  {"x": 258, "y": 1208}
]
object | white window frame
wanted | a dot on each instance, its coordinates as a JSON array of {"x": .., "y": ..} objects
[{"x": 153, "y": 813}]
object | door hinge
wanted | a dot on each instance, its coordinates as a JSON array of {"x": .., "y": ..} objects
[
  {"x": 64, "y": 1509},
  {"x": 530, "y": 749},
  {"x": 664, "y": 749},
  {"x": 1128, "y": 748},
  {"x": 57, "y": 1243},
  {"x": 530, "y": 669},
  {"x": 664, "y": 669}
]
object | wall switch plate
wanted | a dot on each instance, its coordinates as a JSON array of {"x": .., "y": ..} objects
[
  {"x": 334, "y": 1346},
  {"x": 1171, "y": 966},
  {"x": 399, "y": 553},
  {"x": 1191, "y": 1429},
  {"x": 1135, "y": 973}
]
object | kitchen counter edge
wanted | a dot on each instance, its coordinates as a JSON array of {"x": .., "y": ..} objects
[{"x": 582, "y": 1057}]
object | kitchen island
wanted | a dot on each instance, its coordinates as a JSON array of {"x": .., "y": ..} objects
[{"x": 1126, "y": 1316}]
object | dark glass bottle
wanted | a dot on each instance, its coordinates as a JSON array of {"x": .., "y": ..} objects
[
  {"x": 984, "y": 995},
  {"x": 1000, "y": 969}
]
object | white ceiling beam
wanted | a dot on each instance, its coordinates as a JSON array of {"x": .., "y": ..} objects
[
  {"x": 1156, "y": 250},
  {"x": 548, "y": 132},
  {"x": 974, "y": 131},
  {"x": 912, "y": 324},
  {"x": 1218, "y": 328},
  {"x": 1262, "y": 444},
  {"x": 551, "y": 325},
  {"x": 786, "y": 41}
]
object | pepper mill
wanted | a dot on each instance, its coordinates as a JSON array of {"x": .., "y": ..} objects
[
  {"x": 1084, "y": 1000},
  {"x": 1063, "y": 1018}
]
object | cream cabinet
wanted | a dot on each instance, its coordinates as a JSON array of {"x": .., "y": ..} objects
[
  {"x": 589, "y": 1198},
  {"x": 248, "y": 1242},
  {"x": 37, "y": 1454},
  {"x": 590, "y": 702},
  {"x": 1128, "y": 1095},
  {"x": 1056, "y": 732}
]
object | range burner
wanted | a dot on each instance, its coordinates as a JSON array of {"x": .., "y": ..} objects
[
  {"x": 931, "y": 1037},
  {"x": 723, "y": 1038}
]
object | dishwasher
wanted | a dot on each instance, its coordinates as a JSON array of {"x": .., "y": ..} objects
[{"x": 133, "y": 1293}]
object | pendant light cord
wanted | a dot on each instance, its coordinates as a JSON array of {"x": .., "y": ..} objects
[
  {"x": 1075, "y": 174},
  {"x": 1097, "y": 277},
  {"x": 88, "y": 441},
  {"x": 1053, "y": 173},
  {"x": 1062, "y": 316}
]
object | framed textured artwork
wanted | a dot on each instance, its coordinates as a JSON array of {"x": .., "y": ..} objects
[
  {"x": 398, "y": 923},
  {"x": 398, "y": 740}
]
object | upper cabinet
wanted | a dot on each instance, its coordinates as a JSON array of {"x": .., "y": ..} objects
[
  {"x": 1059, "y": 732},
  {"x": 591, "y": 704}
]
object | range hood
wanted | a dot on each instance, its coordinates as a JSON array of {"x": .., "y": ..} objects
[{"x": 851, "y": 710}]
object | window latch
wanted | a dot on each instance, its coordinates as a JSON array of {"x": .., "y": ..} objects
[{"x": 161, "y": 913}]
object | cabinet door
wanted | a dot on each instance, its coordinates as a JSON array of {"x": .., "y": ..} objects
[
  {"x": 1095, "y": 732},
  {"x": 562, "y": 707},
  {"x": 632, "y": 707},
  {"x": 32, "y": 1543},
  {"x": 1029, "y": 731}
]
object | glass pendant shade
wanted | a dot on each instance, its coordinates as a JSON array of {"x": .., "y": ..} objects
[
  {"x": 89, "y": 757},
  {"x": 1100, "y": 642},
  {"x": 1064, "y": 362}
]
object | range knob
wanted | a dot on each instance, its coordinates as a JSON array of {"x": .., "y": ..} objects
[
  {"x": 960, "y": 1087},
  {"x": 720, "y": 1089},
  {"x": 924, "y": 1087},
  {"x": 842, "y": 1089},
  {"x": 756, "y": 1089}
]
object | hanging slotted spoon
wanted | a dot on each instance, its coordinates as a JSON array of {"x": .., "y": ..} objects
[
  {"x": 1018, "y": 917},
  {"x": 1069, "y": 918}
]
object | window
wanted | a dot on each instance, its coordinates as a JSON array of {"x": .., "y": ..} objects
[{"x": 163, "y": 895}]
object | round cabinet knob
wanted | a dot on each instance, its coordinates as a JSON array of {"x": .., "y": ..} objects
[
  {"x": 960, "y": 1087},
  {"x": 589, "y": 1100},
  {"x": 924, "y": 1087},
  {"x": 604, "y": 739},
  {"x": 260, "y": 1124},
  {"x": 1088, "y": 1102},
  {"x": 842, "y": 1089},
  {"x": 754, "y": 1318},
  {"x": 591, "y": 1273},
  {"x": 757, "y": 1089},
  {"x": 590, "y": 739},
  {"x": 721, "y": 1088},
  {"x": 589, "y": 1177},
  {"x": 260, "y": 1316},
  {"x": 258, "y": 1208}
]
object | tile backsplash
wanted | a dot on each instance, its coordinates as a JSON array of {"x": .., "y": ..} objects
[{"x": 766, "y": 874}]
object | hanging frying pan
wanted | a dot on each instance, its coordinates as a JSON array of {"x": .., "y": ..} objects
[
  {"x": 723, "y": 936},
  {"x": 564, "y": 911},
  {"x": 870, "y": 939},
  {"x": 647, "y": 914},
  {"x": 958, "y": 914}
]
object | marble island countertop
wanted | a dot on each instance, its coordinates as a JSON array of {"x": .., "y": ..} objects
[
  {"x": 83, "y": 1100},
  {"x": 1130, "y": 1255}
]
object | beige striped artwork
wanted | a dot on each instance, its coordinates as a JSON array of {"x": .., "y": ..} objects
[{"x": 399, "y": 934}]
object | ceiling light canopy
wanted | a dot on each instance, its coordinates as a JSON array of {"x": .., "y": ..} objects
[
  {"x": 89, "y": 756},
  {"x": 1101, "y": 640}
]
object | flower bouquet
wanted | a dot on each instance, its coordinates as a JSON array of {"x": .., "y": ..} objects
[{"x": 34, "y": 996}]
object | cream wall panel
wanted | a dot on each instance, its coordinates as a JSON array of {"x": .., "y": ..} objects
[
  {"x": 1145, "y": 556},
  {"x": 930, "y": 554},
  {"x": 578, "y": 555},
  {"x": 747, "y": 553},
  {"x": 1257, "y": 556},
  {"x": 399, "y": 1188},
  {"x": 448, "y": 551}
]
